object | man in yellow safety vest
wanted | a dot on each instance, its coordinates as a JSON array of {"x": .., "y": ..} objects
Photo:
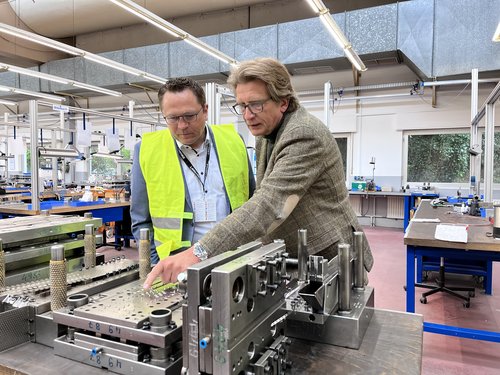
[{"x": 188, "y": 177}]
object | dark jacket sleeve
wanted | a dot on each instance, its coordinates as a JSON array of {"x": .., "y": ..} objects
[{"x": 139, "y": 206}]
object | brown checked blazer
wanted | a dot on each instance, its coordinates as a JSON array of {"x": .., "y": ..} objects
[{"x": 302, "y": 186}]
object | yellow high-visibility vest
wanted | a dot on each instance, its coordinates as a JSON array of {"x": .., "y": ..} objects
[{"x": 162, "y": 172}]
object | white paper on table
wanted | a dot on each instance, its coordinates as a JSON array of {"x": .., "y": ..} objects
[
  {"x": 422, "y": 220},
  {"x": 449, "y": 232}
]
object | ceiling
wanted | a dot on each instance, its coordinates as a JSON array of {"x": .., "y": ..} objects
[{"x": 99, "y": 26}]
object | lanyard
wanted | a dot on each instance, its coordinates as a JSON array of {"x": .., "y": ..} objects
[{"x": 193, "y": 169}]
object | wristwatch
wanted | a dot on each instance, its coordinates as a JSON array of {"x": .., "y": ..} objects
[{"x": 200, "y": 252}]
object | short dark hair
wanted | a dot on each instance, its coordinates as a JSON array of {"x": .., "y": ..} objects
[{"x": 180, "y": 84}]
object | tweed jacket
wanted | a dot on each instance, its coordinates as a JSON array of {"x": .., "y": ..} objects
[{"x": 302, "y": 186}]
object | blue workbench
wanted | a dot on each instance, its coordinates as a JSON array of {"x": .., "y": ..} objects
[{"x": 420, "y": 242}]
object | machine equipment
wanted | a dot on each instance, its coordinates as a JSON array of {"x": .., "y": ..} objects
[{"x": 235, "y": 313}]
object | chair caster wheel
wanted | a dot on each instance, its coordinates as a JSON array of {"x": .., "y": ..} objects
[
  {"x": 423, "y": 300},
  {"x": 466, "y": 304},
  {"x": 472, "y": 294}
]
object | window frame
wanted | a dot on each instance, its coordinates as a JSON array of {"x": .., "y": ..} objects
[
  {"x": 349, "y": 148},
  {"x": 443, "y": 185}
]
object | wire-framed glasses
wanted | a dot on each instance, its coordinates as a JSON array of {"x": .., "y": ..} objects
[
  {"x": 187, "y": 117},
  {"x": 254, "y": 107}
]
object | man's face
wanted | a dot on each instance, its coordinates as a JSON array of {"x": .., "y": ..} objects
[
  {"x": 261, "y": 123},
  {"x": 177, "y": 105}
]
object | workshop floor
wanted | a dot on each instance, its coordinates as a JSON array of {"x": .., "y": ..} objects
[{"x": 441, "y": 354}]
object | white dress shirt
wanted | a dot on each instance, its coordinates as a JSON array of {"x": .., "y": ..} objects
[{"x": 214, "y": 184}]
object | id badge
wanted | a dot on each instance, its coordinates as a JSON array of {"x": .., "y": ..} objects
[{"x": 204, "y": 210}]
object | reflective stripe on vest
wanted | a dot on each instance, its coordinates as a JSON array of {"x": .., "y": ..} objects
[
  {"x": 233, "y": 163},
  {"x": 162, "y": 172}
]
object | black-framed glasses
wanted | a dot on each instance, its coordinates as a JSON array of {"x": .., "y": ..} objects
[
  {"x": 254, "y": 107},
  {"x": 187, "y": 117}
]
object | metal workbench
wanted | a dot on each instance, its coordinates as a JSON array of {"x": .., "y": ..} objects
[{"x": 392, "y": 345}]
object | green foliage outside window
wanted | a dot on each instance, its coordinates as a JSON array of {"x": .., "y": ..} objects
[
  {"x": 438, "y": 158},
  {"x": 106, "y": 166},
  {"x": 342, "y": 143},
  {"x": 445, "y": 158},
  {"x": 496, "y": 159}
]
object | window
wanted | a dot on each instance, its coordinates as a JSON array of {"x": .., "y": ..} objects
[
  {"x": 496, "y": 158},
  {"x": 342, "y": 143},
  {"x": 438, "y": 158}
]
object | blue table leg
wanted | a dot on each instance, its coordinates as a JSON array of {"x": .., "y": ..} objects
[
  {"x": 410, "y": 279},
  {"x": 406, "y": 219},
  {"x": 420, "y": 268},
  {"x": 488, "y": 279}
]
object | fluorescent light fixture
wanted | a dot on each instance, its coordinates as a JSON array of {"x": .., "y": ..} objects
[
  {"x": 354, "y": 59},
  {"x": 202, "y": 46},
  {"x": 59, "y": 153},
  {"x": 173, "y": 30},
  {"x": 35, "y": 38},
  {"x": 33, "y": 73},
  {"x": 7, "y": 102},
  {"x": 96, "y": 89},
  {"x": 104, "y": 155},
  {"x": 327, "y": 19},
  {"x": 110, "y": 63},
  {"x": 150, "y": 17},
  {"x": 31, "y": 93},
  {"x": 496, "y": 35},
  {"x": 50, "y": 77}
]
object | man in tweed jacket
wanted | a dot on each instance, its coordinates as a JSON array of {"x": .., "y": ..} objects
[{"x": 300, "y": 178}]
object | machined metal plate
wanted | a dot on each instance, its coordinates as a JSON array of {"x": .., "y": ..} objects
[
  {"x": 16, "y": 230},
  {"x": 124, "y": 312},
  {"x": 39, "y": 253},
  {"x": 199, "y": 293},
  {"x": 342, "y": 330},
  {"x": 90, "y": 281},
  {"x": 128, "y": 305},
  {"x": 246, "y": 288},
  {"x": 111, "y": 360},
  {"x": 249, "y": 345}
]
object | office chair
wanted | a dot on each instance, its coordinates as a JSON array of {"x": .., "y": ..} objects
[{"x": 441, "y": 287}]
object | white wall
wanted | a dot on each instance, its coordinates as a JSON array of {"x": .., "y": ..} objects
[{"x": 377, "y": 127}]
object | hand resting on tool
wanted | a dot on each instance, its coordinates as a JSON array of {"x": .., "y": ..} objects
[{"x": 168, "y": 268}]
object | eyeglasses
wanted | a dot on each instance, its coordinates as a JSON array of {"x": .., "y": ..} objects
[
  {"x": 188, "y": 117},
  {"x": 254, "y": 107}
]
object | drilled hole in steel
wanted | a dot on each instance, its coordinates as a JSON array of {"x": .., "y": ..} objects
[{"x": 238, "y": 289}]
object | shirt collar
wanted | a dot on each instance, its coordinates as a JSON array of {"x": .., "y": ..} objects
[
  {"x": 203, "y": 146},
  {"x": 272, "y": 137}
]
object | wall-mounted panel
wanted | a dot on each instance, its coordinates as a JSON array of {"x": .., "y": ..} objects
[
  {"x": 373, "y": 30},
  {"x": 463, "y": 32},
  {"x": 157, "y": 60},
  {"x": 186, "y": 60},
  {"x": 307, "y": 40},
  {"x": 102, "y": 75},
  {"x": 258, "y": 42},
  {"x": 416, "y": 31}
]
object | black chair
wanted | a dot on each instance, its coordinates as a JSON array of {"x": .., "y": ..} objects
[{"x": 441, "y": 287}]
